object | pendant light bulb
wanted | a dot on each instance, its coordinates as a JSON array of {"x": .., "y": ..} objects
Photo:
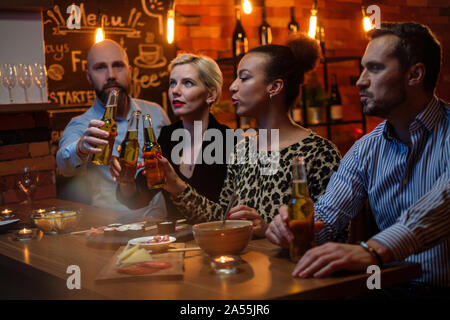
[
  {"x": 313, "y": 21},
  {"x": 247, "y": 6}
]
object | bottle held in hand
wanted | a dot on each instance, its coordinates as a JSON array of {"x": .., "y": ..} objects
[
  {"x": 109, "y": 118},
  {"x": 153, "y": 170},
  {"x": 301, "y": 212},
  {"x": 129, "y": 151}
]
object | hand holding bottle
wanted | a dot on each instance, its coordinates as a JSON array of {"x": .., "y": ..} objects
[
  {"x": 278, "y": 231},
  {"x": 92, "y": 137},
  {"x": 173, "y": 184}
]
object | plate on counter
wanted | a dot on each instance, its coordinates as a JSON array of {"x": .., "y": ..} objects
[{"x": 154, "y": 243}]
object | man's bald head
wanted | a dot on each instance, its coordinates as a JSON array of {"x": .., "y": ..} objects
[{"x": 103, "y": 46}]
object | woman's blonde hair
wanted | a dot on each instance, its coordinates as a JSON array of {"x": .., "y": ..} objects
[{"x": 208, "y": 70}]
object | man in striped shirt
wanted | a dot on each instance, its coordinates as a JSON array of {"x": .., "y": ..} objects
[{"x": 402, "y": 167}]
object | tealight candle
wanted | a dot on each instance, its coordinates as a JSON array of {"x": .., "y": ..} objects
[
  {"x": 224, "y": 264},
  {"x": 6, "y": 212},
  {"x": 25, "y": 234}
]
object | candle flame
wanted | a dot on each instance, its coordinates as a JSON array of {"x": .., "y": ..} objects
[{"x": 224, "y": 259}]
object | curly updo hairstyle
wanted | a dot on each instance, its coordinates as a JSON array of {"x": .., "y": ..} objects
[{"x": 290, "y": 63}]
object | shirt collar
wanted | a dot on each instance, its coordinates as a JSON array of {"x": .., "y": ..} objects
[{"x": 427, "y": 118}]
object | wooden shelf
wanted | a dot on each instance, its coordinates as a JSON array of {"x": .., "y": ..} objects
[{"x": 27, "y": 107}]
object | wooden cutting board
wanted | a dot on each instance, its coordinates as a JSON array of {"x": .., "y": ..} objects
[{"x": 176, "y": 272}]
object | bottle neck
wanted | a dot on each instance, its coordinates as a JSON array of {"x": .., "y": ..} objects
[
  {"x": 299, "y": 189},
  {"x": 238, "y": 15},
  {"x": 110, "y": 112},
  {"x": 150, "y": 136}
]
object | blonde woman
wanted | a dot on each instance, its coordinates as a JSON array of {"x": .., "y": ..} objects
[{"x": 195, "y": 85}]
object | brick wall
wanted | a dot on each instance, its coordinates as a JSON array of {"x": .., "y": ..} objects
[
  {"x": 25, "y": 142},
  {"x": 206, "y": 26}
]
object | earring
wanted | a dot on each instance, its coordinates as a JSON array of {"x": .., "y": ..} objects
[{"x": 270, "y": 96}]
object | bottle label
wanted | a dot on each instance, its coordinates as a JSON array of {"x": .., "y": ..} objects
[{"x": 336, "y": 112}]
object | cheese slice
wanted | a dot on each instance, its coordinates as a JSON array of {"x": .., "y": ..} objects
[
  {"x": 128, "y": 251},
  {"x": 140, "y": 255}
]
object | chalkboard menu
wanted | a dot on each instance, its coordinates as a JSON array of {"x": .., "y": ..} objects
[{"x": 139, "y": 26}]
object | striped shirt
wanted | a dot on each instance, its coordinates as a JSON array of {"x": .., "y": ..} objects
[{"x": 408, "y": 188}]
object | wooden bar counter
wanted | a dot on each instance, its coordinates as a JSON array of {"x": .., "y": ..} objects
[{"x": 37, "y": 269}]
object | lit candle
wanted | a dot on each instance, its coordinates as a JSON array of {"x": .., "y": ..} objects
[
  {"x": 25, "y": 234},
  {"x": 224, "y": 264},
  {"x": 40, "y": 210},
  {"x": 25, "y": 231},
  {"x": 6, "y": 212}
]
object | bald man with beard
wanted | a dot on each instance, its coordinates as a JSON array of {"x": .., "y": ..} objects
[{"x": 107, "y": 69}]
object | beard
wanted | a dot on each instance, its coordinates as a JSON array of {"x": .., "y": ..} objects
[
  {"x": 103, "y": 94},
  {"x": 383, "y": 107}
]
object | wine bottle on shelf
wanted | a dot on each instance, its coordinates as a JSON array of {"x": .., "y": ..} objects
[
  {"x": 335, "y": 101},
  {"x": 265, "y": 30},
  {"x": 240, "y": 47},
  {"x": 293, "y": 25},
  {"x": 240, "y": 41}
]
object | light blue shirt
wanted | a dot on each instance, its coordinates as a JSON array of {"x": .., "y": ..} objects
[
  {"x": 102, "y": 185},
  {"x": 408, "y": 188}
]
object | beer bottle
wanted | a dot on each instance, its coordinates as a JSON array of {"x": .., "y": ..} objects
[
  {"x": 129, "y": 151},
  {"x": 109, "y": 118},
  {"x": 153, "y": 170},
  {"x": 301, "y": 212}
]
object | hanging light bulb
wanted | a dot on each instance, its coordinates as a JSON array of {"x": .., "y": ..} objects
[
  {"x": 367, "y": 24},
  {"x": 247, "y": 6},
  {"x": 99, "y": 33},
  {"x": 313, "y": 21},
  {"x": 171, "y": 22}
]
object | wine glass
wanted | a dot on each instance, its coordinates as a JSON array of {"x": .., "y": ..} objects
[
  {"x": 27, "y": 184},
  {"x": 25, "y": 79},
  {"x": 9, "y": 77},
  {"x": 40, "y": 77}
]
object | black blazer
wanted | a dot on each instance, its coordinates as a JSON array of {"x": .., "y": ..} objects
[{"x": 207, "y": 179}]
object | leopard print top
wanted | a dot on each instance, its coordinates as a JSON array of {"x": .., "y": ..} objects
[{"x": 256, "y": 189}]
